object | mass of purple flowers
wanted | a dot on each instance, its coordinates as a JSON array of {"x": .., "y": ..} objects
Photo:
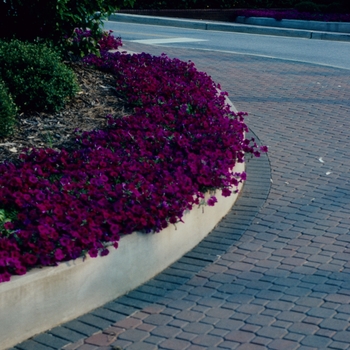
[
  {"x": 139, "y": 174},
  {"x": 294, "y": 14}
]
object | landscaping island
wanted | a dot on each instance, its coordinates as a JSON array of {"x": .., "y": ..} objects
[{"x": 160, "y": 172}]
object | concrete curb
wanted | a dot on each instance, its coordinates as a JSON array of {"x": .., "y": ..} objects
[{"x": 230, "y": 27}]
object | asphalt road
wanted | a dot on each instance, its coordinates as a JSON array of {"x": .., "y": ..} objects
[{"x": 328, "y": 53}]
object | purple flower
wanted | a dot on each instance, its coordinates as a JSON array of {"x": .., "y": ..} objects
[{"x": 211, "y": 201}]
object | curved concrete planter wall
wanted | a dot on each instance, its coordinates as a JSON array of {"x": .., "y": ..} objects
[{"x": 47, "y": 297}]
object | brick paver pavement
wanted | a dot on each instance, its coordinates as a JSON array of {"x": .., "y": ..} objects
[{"x": 275, "y": 274}]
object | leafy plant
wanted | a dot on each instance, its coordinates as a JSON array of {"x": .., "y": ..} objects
[
  {"x": 54, "y": 20},
  {"x": 8, "y": 111},
  {"x": 35, "y": 75},
  {"x": 307, "y": 6},
  {"x": 84, "y": 42}
]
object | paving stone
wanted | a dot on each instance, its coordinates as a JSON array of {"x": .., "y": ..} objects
[
  {"x": 166, "y": 331},
  {"x": 333, "y": 324},
  {"x": 260, "y": 320},
  {"x": 219, "y": 332},
  {"x": 174, "y": 344},
  {"x": 32, "y": 345},
  {"x": 145, "y": 297},
  {"x": 325, "y": 333},
  {"x": 299, "y": 292},
  {"x": 290, "y": 316},
  {"x": 338, "y": 345},
  {"x": 81, "y": 327},
  {"x": 66, "y": 333},
  {"x": 342, "y": 316},
  {"x": 283, "y": 344},
  {"x": 73, "y": 346},
  {"x": 269, "y": 295},
  {"x": 154, "y": 340},
  {"x": 142, "y": 346},
  {"x": 343, "y": 336},
  {"x": 228, "y": 324},
  {"x": 121, "y": 308},
  {"x": 330, "y": 305},
  {"x": 146, "y": 327},
  {"x": 250, "y": 347},
  {"x": 240, "y": 298},
  {"x": 250, "y": 328},
  {"x": 309, "y": 302},
  {"x": 121, "y": 344},
  {"x": 300, "y": 309},
  {"x": 198, "y": 328},
  {"x": 303, "y": 328},
  {"x": 158, "y": 319},
  {"x": 181, "y": 304},
  {"x": 239, "y": 316},
  {"x": 228, "y": 345},
  {"x": 186, "y": 336},
  {"x": 219, "y": 312},
  {"x": 272, "y": 332},
  {"x": 279, "y": 305},
  {"x": 250, "y": 309},
  {"x": 196, "y": 347},
  {"x": 178, "y": 323},
  {"x": 113, "y": 331},
  {"x": 189, "y": 316},
  {"x": 207, "y": 340},
  {"x": 140, "y": 315},
  {"x": 101, "y": 339},
  {"x": 133, "y": 335},
  {"x": 88, "y": 347},
  {"x": 316, "y": 341},
  {"x": 338, "y": 298},
  {"x": 295, "y": 337},
  {"x": 50, "y": 340},
  {"x": 128, "y": 323},
  {"x": 239, "y": 336}
]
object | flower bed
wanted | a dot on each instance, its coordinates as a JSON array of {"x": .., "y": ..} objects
[
  {"x": 47, "y": 297},
  {"x": 140, "y": 174}
]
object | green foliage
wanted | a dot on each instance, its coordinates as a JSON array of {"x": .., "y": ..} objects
[
  {"x": 54, "y": 20},
  {"x": 307, "y": 6},
  {"x": 6, "y": 216},
  {"x": 35, "y": 76},
  {"x": 8, "y": 111}
]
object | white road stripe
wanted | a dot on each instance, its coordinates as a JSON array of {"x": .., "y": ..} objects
[{"x": 166, "y": 41}]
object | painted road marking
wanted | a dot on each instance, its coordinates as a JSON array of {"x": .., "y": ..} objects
[{"x": 166, "y": 41}]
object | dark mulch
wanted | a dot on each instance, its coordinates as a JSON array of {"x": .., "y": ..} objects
[{"x": 87, "y": 111}]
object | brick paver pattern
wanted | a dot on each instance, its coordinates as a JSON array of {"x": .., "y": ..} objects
[{"x": 279, "y": 280}]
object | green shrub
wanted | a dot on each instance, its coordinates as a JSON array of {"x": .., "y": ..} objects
[
  {"x": 35, "y": 76},
  {"x": 8, "y": 111},
  {"x": 307, "y": 6},
  {"x": 53, "y": 20},
  {"x": 334, "y": 7}
]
